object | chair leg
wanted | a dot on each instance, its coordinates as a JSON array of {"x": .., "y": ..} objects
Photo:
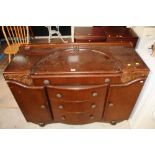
[
  {"x": 60, "y": 36},
  {"x": 49, "y": 31},
  {"x": 49, "y": 38},
  {"x": 9, "y": 58}
]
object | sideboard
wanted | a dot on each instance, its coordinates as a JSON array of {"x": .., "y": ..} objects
[{"x": 76, "y": 83}]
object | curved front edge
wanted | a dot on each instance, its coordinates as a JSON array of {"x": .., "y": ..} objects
[
  {"x": 121, "y": 100},
  {"x": 32, "y": 102}
]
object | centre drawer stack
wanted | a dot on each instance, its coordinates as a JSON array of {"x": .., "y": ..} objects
[{"x": 77, "y": 104}]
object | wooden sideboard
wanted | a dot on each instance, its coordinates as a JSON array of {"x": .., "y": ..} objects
[
  {"x": 109, "y": 34},
  {"x": 76, "y": 83}
]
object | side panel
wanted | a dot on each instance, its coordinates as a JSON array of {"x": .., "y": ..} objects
[{"x": 32, "y": 102}]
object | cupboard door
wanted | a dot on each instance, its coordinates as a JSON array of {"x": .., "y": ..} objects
[
  {"x": 32, "y": 102},
  {"x": 121, "y": 100}
]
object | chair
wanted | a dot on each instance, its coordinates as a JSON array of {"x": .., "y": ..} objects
[
  {"x": 51, "y": 32},
  {"x": 15, "y": 36}
]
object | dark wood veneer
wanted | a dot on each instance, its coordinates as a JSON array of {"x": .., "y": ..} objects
[
  {"x": 109, "y": 34},
  {"x": 76, "y": 83}
]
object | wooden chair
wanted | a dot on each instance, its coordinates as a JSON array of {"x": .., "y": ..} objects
[{"x": 15, "y": 36}]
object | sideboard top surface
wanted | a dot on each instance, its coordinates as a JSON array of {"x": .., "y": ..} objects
[{"x": 75, "y": 59}]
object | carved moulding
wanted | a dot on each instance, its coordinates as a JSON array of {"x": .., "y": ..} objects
[
  {"x": 129, "y": 75},
  {"x": 22, "y": 78}
]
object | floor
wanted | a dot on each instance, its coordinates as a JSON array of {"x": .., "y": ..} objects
[{"x": 12, "y": 118}]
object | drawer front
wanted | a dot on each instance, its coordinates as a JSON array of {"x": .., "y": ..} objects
[
  {"x": 94, "y": 80},
  {"x": 118, "y": 39},
  {"x": 121, "y": 100},
  {"x": 77, "y": 118},
  {"x": 76, "y": 93},
  {"x": 89, "y": 39},
  {"x": 132, "y": 40},
  {"x": 77, "y": 106},
  {"x": 32, "y": 102}
]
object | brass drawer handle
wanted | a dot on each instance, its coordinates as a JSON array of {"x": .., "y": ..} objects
[
  {"x": 91, "y": 116},
  {"x": 110, "y": 104},
  {"x": 107, "y": 80},
  {"x": 63, "y": 118},
  {"x": 93, "y": 106},
  {"x": 42, "y": 106},
  {"x": 94, "y": 94},
  {"x": 61, "y": 107},
  {"x": 58, "y": 95},
  {"x": 46, "y": 82}
]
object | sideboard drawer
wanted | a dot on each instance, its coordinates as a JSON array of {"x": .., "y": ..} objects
[
  {"x": 89, "y": 34},
  {"x": 77, "y": 118},
  {"x": 131, "y": 40},
  {"x": 77, "y": 80},
  {"x": 77, "y": 106},
  {"x": 76, "y": 93},
  {"x": 89, "y": 39}
]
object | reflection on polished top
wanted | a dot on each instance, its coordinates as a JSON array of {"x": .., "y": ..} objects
[{"x": 75, "y": 59}]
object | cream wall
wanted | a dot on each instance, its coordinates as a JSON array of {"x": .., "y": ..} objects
[{"x": 143, "y": 115}]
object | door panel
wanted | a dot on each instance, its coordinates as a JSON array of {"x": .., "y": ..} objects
[
  {"x": 32, "y": 102},
  {"x": 121, "y": 100}
]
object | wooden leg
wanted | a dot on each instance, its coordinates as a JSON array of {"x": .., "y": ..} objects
[
  {"x": 9, "y": 58},
  {"x": 42, "y": 124},
  {"x": 113, "y": 123}
]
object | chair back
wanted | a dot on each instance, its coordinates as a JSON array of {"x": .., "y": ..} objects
[{"x": 16, "y": 34}]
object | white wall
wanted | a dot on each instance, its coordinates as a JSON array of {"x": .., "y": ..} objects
[{"x": 143, "y": 115}]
